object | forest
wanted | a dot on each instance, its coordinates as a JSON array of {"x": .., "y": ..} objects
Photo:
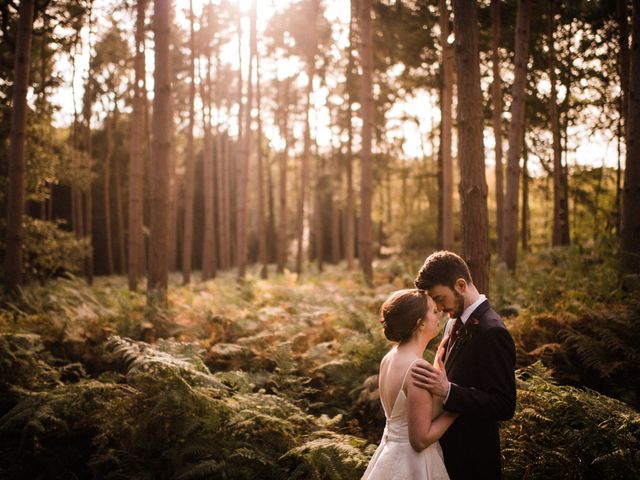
[{"x": 206, "y": 202}]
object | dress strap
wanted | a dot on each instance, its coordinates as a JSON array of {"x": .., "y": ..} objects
[{"x": 404, "y": 379}]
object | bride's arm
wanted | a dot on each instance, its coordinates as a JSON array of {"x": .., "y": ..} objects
[{"x": 422, "y": 430}]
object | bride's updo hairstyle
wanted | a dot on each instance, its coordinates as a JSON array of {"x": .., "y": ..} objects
[{"x": 402, "y": 312}]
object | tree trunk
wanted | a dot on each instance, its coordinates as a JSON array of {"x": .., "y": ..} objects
[
  {"x": 209, "y": 259},
  {"x": 187, "y": 238},
  {"x": 222, "y": 179},
  {"x": 631, "y": 194},
  {"x": 366, "y": 157},
  {"x": 473, "y": 185},
  {"x": 335, "y": 230},
  {"x": 262, "y": 232},
  {"x": 281, "y": 247},
  {"x": 243, "y": 165},
  {"x": 88, "y": 200},
  {"x": 516, "y": 128},
  {"x": 560, "y": 232},
  {"x": 16, "y": 195},
  {"x": 228, "y": 185},
  {"x": 446, "y": 129},
  {"x": 172, "y": 242},
  {"x": 119, "y": 180},
  {"x": 239, "y": 152},
  {"x": 161, "y": 147},
  {"x": 524, "y": 229},
  {"x": 136, "y": 164},
  {"x": 496, "y": 93},
  {"x": 349, "y": 234},
  {"x": 271, "y": 222},
  {"x": 77, "y": 216},
  {"x": 318, "y": 220},
  {"x": 623, "y": 62},
  {"x": 106, "y": 193},
  {"x": 304, "y": 174}
]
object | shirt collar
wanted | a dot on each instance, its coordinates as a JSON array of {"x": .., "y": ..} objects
[{"x": 469, "y": 310}]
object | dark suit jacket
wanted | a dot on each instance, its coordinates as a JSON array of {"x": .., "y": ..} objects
[{"x": 480, "y": 367}]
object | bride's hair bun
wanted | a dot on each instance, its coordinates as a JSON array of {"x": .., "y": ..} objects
[{"x": 401, "y": 313}]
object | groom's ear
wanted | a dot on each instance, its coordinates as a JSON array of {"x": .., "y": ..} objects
[{"x": 461, "y": 286}]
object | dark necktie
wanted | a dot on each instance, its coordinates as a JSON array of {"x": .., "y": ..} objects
[{"x": 455, "y": 331}]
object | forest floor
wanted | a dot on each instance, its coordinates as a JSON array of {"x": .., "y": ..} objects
[{"x": 276, "y": 378}]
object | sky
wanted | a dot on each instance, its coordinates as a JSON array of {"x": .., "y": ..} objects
[{"x": 409, "y": 121}]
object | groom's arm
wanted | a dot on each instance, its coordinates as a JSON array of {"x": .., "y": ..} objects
[{"x": 496, "y": 399}]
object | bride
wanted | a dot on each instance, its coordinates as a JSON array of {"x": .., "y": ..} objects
[{"x": 409, "y": 448}]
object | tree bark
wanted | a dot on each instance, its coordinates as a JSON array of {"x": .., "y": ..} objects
[
  {"x": 366, "y": 157},
  {"x": 496, "y": 92},
  {"x": 446, "y": 129},
  {"x": 119, "y": 180},
  {"x": 243, "y": 170},
  {"x": 187, "y": 239},
  {"x": 631, "y": 193},
  {"x": 242, "y": 153},
  {"x": 209, "y": 259},
  {"x": 227, "y": 200},
  {"x": 106, "y": 193},
  {"x": 222, "y": 179},
  {"x": 516, "y": 127},
  {"x": 304, "y": 175},
  {"x": 161, "y": 147},
  {"x": 77, "y": 214},
  {"x": 318, "y": 220},
  {"x": 349, "y": 211},
  {"x": 524, "y": 229},
  {"x": 473, "y": 185},
  {"x": 560, "y": 232},
  {"x": 136, "y": 163},
  {"x": 263, "y": 260},
  {"x": 16, "y": 194},
  {"x": 281, "y": 246},
  {"x": 304, "y": 169},
  {"x": 623, "y": 62},
  {"x": 172, "y": 242},
  {"x": 271, "y": 217}
]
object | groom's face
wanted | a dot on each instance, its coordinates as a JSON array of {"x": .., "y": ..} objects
[{"x": 448, "y": 300}]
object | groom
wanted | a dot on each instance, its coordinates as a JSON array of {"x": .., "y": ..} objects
[{"x": 478, "y": 377}]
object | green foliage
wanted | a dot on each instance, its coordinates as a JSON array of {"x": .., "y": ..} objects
[
  {"x": 573, "y": 315},
  {"x": 568, "y": 433},
  {"x": 328, "y": 455},
  {"x": 164, "y": 416},
  {"x": 562, "y": 279},
  {"x": 50, "y": 250},
  {"x": 293, "y": 389}
]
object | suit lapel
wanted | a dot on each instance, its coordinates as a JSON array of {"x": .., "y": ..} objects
[
  {"x": 453, "y": 353},
  {"x": 472, "y": 322}
]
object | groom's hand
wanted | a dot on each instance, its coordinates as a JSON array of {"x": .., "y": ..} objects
[{"x": 429, "y": 377}]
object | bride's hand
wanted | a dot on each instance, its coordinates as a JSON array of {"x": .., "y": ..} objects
[{"x": 437, "y": 362}]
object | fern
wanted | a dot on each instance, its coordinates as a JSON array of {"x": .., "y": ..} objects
[
  {"x": 565, "y": 432},
  {"x": 330, "y": 455},
  {"x": 204, "y": 469}
]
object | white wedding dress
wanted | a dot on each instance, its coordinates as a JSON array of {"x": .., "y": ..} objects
[{"x": 395, "y": 458}]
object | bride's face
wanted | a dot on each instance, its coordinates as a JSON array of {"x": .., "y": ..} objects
[{"x": 432, "y": 318}]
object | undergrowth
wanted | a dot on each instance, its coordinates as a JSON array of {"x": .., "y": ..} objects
[{"x": 277, "y": 378}]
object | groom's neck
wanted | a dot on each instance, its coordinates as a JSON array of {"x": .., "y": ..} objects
[{"x": 471, "y": 295}]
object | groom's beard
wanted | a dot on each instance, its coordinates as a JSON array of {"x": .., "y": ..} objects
[{"x": 458, "y": 307}]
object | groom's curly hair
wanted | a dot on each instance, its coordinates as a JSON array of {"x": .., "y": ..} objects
[{"x": 442, "y": 268}]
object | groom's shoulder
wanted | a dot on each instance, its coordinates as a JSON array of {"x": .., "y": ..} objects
[{"x": 490, "y": 318}]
